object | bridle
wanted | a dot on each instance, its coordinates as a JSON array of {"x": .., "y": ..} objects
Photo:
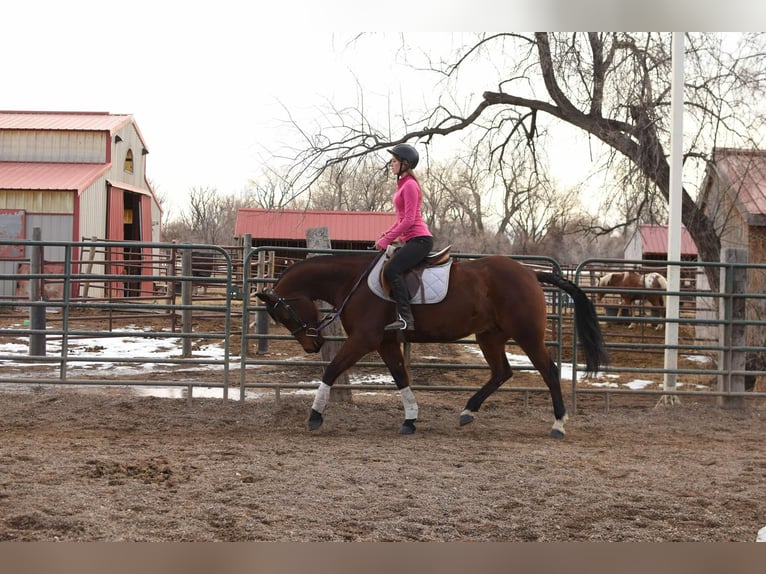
[{"x": 314, "y": 328}]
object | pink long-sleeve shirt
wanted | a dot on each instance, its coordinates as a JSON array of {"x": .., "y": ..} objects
[{"x": 409, "y": 219}]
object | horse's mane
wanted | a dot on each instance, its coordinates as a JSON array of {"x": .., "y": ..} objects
[{"x": 319, "y": 260}]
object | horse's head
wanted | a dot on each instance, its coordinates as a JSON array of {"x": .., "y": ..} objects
[
  {"x": 298, "y": 314},
  {"x": 655, "y": 280}
]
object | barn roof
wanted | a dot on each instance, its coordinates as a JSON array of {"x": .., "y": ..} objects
[
  {"x": 292, "y": 224},
  {"x": 80, "y": 121},
  {"x": 654, "y": 240},
  {"x": 67, "y": 121},
  {"x": 49, "y": 176},
  {"x": 743, "y": 172}
]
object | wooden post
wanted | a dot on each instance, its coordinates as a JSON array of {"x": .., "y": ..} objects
[
  {"x": 262, "y": 317},
  {"x": 186, "y": 299},
  {"x": 37, "y": 341},
  {"x": 319, "y": 238},
  {"x": 89, "y": 267},
  {"x": 732, "y": 329}
]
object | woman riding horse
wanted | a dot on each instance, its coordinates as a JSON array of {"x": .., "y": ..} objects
[{"x": 495, "y": 297}]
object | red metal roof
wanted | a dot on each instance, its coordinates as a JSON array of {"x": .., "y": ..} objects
[
  {"x": 49, "y": 176},
  {"x": 654, "y": 240},
  {"x": 81, "y": 121},
  {"x": 292, "y": 224},
  {"x": 744, "y": 171}
]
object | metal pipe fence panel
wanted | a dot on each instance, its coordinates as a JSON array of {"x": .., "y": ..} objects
[
  {"x": 61, "y": 321},
  {"x": 112, "y": 305}
]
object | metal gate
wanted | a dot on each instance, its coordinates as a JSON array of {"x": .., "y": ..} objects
[{"x": 201, "y": 300}]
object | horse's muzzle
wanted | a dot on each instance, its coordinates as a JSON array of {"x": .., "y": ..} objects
[{"x": 312, "y": 344}]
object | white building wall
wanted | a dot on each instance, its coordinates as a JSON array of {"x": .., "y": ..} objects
[
  {"x": 633, "y": 248},
  {"x": 130, "y": 141},
  {"x": 93, "y": 204},
  {"x": 52, "y": 146},
  {"x": 156, "y": 222}
]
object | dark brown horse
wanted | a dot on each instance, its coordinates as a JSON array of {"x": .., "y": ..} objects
[
  {"x": 649, "y": 287},
  {"x": 494, "y": 297}
]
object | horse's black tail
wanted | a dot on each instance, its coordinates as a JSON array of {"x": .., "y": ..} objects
[{"x": 585, "y": 320}]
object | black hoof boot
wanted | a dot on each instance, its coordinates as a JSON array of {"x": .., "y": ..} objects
[
  {"x": 315, "y": 420},
  {"x": 408, "y": 427},
  {"x": 466, "y": 417}
]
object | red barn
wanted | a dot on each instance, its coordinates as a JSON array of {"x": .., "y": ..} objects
[
  {"x": 287, "y": 227},
  {"x": 75, "y": 176}
]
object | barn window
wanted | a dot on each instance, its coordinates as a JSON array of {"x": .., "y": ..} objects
[{"x": 129, "y": 161}]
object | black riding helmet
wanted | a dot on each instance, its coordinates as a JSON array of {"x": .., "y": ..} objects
[{"x": 405, "y": 152}]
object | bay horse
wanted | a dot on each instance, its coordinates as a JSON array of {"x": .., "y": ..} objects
[
  {"x": 654, "y": 283},
  {"x": 495, "y": 297}
]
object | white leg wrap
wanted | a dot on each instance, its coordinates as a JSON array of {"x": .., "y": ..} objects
[
  {"x": 409, "y": 402},
  {"x": 321, "y": 398},
  {"x": 558, "y": 424}
]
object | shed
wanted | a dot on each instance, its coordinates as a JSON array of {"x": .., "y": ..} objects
[
  {"x": 77, "y": 176},
  {"x": 650, "y": 242},
  {"x": 287, "y": 227},
  {"x": 733, "y": 195}
]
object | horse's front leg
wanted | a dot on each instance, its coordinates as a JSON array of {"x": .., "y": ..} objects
[
  {"x": 391, "y": 353},
  {"x": 348, "y": 354}
]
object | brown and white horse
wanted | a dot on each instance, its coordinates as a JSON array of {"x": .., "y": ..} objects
[{"x": 654, "y": 284}]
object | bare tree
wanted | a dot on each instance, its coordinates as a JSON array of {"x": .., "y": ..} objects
[
  {"x": 273, "y": 189},
  {"x": 613, "y": 86},
  {"x": 207, "y": 218},
  {"x": 363, "y": 187}
]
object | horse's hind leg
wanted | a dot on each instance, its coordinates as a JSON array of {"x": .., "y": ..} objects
[
  {"x": 658, "y": 310},
  {"x": 542, "y": 361},
  {"x": 492, "y": 346}
]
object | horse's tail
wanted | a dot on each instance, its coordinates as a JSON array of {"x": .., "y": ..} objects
[{"x": 585, "y": 320}]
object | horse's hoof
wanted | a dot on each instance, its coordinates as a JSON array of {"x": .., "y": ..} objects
[
  {"x": 408, "y": 427},
  {"x": 466, "y": 418},
  {"x": 556, "y": 433},
  {"x": 315, "y": 420}
]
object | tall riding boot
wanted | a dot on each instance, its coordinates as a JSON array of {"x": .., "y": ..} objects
[{"x": 405, "y": 321}]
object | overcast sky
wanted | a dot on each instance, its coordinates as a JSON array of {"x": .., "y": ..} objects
[{"x": 208, "y": 82}]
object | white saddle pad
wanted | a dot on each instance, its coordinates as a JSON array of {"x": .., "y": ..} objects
[{"x": 432, "y": 290}]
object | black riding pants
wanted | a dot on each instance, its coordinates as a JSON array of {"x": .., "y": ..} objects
[{"x": 409, "y": 255}]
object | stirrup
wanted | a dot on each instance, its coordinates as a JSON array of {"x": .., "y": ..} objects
[{"x": 400, "y": 324}]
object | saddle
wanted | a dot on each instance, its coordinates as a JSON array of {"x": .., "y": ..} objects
[{"x": 427, "y": 282}]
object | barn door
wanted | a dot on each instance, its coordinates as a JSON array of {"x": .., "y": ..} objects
[
  {"x": 147, "y": 266},
  {"x": 114, "y": 232}
]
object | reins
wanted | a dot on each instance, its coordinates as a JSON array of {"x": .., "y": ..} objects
[{"x": 330, "y": 317}]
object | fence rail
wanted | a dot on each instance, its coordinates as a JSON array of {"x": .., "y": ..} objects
[{"x": 198, "y": 301}]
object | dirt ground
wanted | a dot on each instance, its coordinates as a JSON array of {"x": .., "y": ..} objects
[
  {"x": 87, "y": 466},
  {"x": 81, "y": 464}
]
